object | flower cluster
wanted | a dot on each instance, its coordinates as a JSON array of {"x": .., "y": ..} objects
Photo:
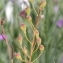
[
  {"x": 35, "y": 43},
  {"x": 36, "y": 40}
]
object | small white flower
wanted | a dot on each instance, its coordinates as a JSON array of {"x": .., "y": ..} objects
[{"x": 9, "y": 12}]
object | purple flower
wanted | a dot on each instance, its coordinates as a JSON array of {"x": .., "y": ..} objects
[
  {"x": 60, "y": 23},
  {"x": 2, "y": 37}
]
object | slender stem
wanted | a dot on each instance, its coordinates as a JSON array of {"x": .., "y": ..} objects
[
  {"x": 28, "y": 39},
  {"x": 34, "y": 9},
  {"x": 25, "y": 57},
  {"x": 38, "y": 17},
  {"x": 33, "y": 41},
  {"x": 11, "y": 60},
  {"x": 9, "y": 51},
  {"x": 8, "y": 46},
  {"x": 30, "y": 54},
  {"x": 31, "y": 50},
  {"x": 32, "y": 25},
  {"x": 23, "y": 51},
  {"x": 36, "y": 58},
  {"x": 23, "y": 61},
  {"x": 34, "y": 46},
  {"x": 35, "y": 50},
  {"x": 32, "y": 28}
]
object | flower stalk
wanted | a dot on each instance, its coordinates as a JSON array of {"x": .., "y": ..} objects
[
  {"x": 6, "y": 40},
  {"x": 35, "y": 44}
]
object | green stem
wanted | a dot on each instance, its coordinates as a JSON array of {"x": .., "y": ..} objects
[
  {"x": 37, "y": 58},
  {"x": 35, "y": 50},
  {"x": 32, "y": 25},
  {"x": 23, "y": 51},
  {"x": 34, "y": 9},
  {"x": 28, "y": 39},
  {"x": 23, "y": 61}
]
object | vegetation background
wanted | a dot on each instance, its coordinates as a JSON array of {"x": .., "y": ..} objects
[{"x": 52, "y": 36}]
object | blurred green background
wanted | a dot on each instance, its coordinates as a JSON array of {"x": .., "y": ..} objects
[{"x": 52, "y": 36}]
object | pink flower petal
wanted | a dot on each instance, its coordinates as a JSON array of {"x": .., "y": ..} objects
[{"x": 2, "y": 37}]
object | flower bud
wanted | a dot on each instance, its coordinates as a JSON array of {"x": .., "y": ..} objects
[
  {"x": 41, "y": 47},
  {"x": 20, "y": 39},
  {"x": 25, "y": 50},
  {"x": 36, "y": 32},
  {"x": 38, "y": 41},
  {"x": 23, "y": 14},
  {"x": 29, "y": 18},
  {"x": 28, "y": 10},
  {"x": 42, "y": 5},
  {"x": 23, "y": 27},
  {"x": 18, "y": 56}
]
